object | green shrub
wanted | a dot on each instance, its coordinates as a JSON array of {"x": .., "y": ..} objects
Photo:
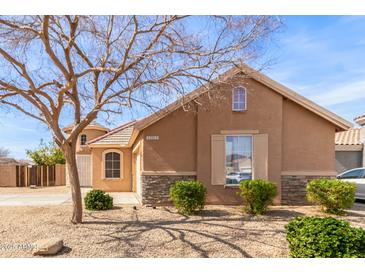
[
  {"x": 188, "y": 196},
  {"x": 257, "y": 195},
  {"x": 316, "y": 237},
  {"x": 98, "y": 200},
  {"x": 331, "y": 194}
]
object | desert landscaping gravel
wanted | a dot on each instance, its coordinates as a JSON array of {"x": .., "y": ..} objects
[{"x": 220, "y": 231}]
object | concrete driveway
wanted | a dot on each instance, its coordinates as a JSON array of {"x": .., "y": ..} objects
[{"x": 49, "y": 198}]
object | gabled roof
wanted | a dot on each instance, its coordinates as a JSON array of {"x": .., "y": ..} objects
[
  {"x": 348, "y": 137},
  {"x": 341, "y": 123},
  {"x": 118, "y": 136},
  {"x": 92, "y": 125}
]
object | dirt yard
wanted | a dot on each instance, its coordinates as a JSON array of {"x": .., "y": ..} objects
[{"x": 220, "y": 231}]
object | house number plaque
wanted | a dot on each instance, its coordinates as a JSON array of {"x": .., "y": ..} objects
[{"x": 152, "y": 138}]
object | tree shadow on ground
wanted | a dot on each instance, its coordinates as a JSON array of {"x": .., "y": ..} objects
[
  {"x": 283, "y": 213},
  {"x": 199, "y": 233}
]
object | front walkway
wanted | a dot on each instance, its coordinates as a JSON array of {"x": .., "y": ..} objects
[{"x": 46, "y": 196}]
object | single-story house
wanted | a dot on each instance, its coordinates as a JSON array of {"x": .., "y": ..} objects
[
  {"x": 243, "y": 126},
  {"x": 350, "y": 147}
]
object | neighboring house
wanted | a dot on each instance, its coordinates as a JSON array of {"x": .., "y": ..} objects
[
  {"x": 350, "y": 147},
  {"x": 243, "y": 126}
]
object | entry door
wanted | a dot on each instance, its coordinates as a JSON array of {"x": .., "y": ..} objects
[
  {"x": 84, "y": 169},
  {"x": 138, "y": 175}
]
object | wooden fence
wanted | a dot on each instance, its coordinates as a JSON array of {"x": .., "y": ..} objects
[{"x": 42, "y": 176}]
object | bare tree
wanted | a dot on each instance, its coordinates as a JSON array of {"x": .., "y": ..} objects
[
  {"x": 82, "y": 66},
  {"x": 4, "y": 152}
]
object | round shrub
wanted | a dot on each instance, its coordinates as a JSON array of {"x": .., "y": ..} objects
[
  {"x": 331, "y": 194},
  {"x": 188, "y": 196},
  {"x": 257, "y": 195},
  {"x": 316, "y": 237},
  {"x": 98, "y": 200}
]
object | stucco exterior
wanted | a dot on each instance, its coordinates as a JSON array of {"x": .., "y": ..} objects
[
  {"x": 292, "y": 140},
  {"x": 91, "y": 133},
  {"x": 307, "y": 141},
  {"x": 299, "y": 140},
  {"x": 176, "y": 147},
  {"x": 263, "y": 114},
  {"x": 123, "y": 184}
]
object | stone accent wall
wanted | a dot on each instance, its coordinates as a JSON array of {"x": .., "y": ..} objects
[
  {"x": 155, "y": 188},
  {"x": 293, "y": 188}
]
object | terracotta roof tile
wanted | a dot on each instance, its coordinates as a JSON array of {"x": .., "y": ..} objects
[
  {"x": 348, "y": 137},
  {"x": 120, "y": 135}
]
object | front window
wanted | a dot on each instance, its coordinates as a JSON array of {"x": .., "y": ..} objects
[
  {"x": 112, "y": 165},
  {"x": 239, "y": 99},
  {"x": 238, "y": 159},
  {"x": 83, "y": 139}
]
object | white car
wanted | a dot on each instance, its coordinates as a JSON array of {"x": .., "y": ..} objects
[{"x": 357, "y": 176}]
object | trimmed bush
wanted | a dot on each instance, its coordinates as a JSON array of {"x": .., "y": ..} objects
[
  {"x": 316, "y": 237},
  {"x": 331, "y": 194},
  {"x": 98, "y": 200},
  {"x": 257, "y": 195},
  {"x": 188, "y": 196}
]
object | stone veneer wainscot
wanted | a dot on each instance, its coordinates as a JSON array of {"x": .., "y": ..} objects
[
  {"x": 155, "y": 188},
  {"x": 293, "y": 188}
]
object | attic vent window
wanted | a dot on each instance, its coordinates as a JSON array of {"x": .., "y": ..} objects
[
  {"x": 83, "y": 139},
  {"x": 239, "y": 99}
]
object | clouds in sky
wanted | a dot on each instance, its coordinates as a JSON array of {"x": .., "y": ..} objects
[
  {"x": 320, "y": 57},
  {"x": 323, "y": 58}
]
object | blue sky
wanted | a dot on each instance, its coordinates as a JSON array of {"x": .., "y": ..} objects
[{"x": 320, "y": 57}]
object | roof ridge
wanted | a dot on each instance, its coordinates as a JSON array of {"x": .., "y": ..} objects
[{"x": 111, "y": 132}]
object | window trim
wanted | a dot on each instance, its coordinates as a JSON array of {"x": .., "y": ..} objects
[
  {"x": 121, "y": 164},
  {"x": 245, "y": 99},
  {"x": 225, "y": 156},
  {"x": 81, "y": 144}
]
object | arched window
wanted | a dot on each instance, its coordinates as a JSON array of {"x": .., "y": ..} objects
[
  {"x": 83, "y": 139},
  {"x": 112, "y": 164},
  {"x": 239, "y": 99}
]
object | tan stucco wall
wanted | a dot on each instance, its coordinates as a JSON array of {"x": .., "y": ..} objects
[
  {"x": 8, "y": 175},
  {"x": 98, "y": 182},
  {"x": 297, "y": 138},
  {"x": 90, "y": 135},
  {"x": 176, "y": 148},
  {"x": 307, "y": 140},
  {"x": 263, "y": 114}
]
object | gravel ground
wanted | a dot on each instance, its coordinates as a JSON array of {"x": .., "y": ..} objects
[
  {"x": 220, "y": 231},
  {"x": 39, "y": 190}
]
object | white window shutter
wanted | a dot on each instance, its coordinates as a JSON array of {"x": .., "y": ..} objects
[
  {"x": 260, "y": 156},
  {"x": 218, "y": 160}
]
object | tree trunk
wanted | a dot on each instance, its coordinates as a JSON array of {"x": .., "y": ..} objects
[{"x": 70, "y": 156}]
